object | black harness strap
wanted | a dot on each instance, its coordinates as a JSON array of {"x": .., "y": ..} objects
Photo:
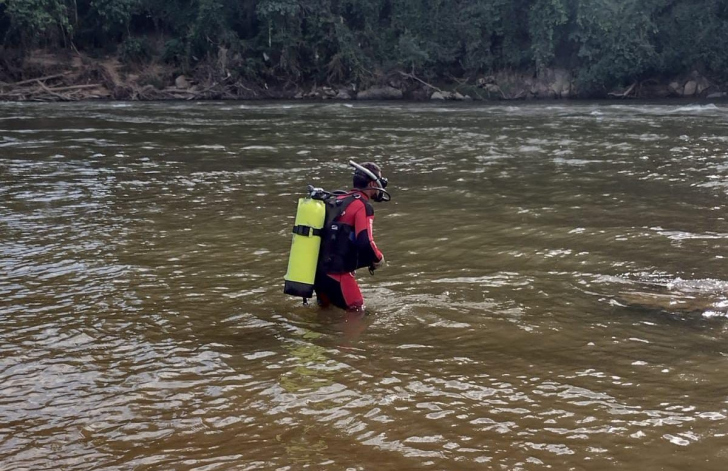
[{"x": 306, "y": 231}]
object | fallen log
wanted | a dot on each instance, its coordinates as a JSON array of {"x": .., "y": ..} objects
[
  {"x": 625, "y": 94},
  {"x": 75, "y": 87},
  {"x": 42, "y": 79},
  {"x": 413, "y": 77},
  {"x": 14, "y": 93},
  {"x": 180, "y": 91},
  {"x": 52, "y": 93}
]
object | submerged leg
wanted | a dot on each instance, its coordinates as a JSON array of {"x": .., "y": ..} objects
[
  {"x": 341, "y": 290},
  {"x": 351, "y": 293}
]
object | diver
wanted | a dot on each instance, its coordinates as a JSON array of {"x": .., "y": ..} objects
[{"x": 348, "y": 241}]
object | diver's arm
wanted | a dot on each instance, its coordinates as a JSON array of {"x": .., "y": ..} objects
[{"x": 364, "y": 230}]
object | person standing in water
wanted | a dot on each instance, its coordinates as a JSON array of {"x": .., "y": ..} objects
[{"x": 348, "y": 242}]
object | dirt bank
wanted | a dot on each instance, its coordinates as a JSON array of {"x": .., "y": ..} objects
[{"x": 72, "y": 76}]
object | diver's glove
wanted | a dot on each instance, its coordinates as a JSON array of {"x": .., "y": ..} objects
[{"x": 377, "y": 265}]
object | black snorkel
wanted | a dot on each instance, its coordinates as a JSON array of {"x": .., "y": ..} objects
[{"x": 381, "y": 195}]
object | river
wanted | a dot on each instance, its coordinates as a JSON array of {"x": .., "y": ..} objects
[{"x": 556, "y": 292}]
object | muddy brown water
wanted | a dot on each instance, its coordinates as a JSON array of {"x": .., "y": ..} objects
[{"x": 530, "y": 316}]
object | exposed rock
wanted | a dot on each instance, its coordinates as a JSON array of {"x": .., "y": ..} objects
[
  {"x": 101, "y": 92},
  {"x": 675, "y": 88},
  {"x": 437, "y": 96},
  {"x": 494, "y": 89},
  {"x": 380, "y": 93},
  {"x": 713, "y": 96},
  {"x": 458, "y": 96},
  {"x": 703, "y": 85},
  {"x": 181, "y": 82},
  {"x": 342, "y": 95},
  {"x": 690, "y": 88}
]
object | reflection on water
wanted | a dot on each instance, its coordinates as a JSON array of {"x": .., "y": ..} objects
[{"x": 556, "y": 293}]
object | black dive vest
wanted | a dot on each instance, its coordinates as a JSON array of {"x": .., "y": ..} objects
[{"x": 339, "y": 253}]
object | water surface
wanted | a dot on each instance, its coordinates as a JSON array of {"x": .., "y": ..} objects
[{"x": 555, "y": 295}]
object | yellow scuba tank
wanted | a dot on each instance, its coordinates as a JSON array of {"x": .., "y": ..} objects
[{"x": 305, "y": 246}]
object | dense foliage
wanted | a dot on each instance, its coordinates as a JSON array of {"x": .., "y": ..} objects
[{"x": 607, "y": 42}]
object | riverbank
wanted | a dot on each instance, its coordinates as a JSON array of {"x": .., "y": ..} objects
[{"x": 74, "y": 76}]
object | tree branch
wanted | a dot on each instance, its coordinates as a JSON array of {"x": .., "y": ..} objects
[{"x": 413, "y": 77}]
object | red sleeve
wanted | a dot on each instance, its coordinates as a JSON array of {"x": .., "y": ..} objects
[{"x": 364, "y": 232}]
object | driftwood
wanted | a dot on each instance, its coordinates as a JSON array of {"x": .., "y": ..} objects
[
  {"x": 518, "y": 96},
  {"x": 51, "y": 92},
  {"x": 625, "y": 94},
  {"x": 39, "y": 79},
  {"x": 61, "y": 87},
  {"x": 75, "y": 87},
  {"x": 216, "y": 90},
  {"x": 460, "y": 82},
  {"x": 38, "y": 90},
  {"x": 413, "y": 77}
]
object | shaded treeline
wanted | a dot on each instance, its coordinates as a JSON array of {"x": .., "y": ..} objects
[{"x": 607, "y": 43}]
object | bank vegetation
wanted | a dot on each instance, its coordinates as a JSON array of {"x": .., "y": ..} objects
[{"x": 376, "y": 49}]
